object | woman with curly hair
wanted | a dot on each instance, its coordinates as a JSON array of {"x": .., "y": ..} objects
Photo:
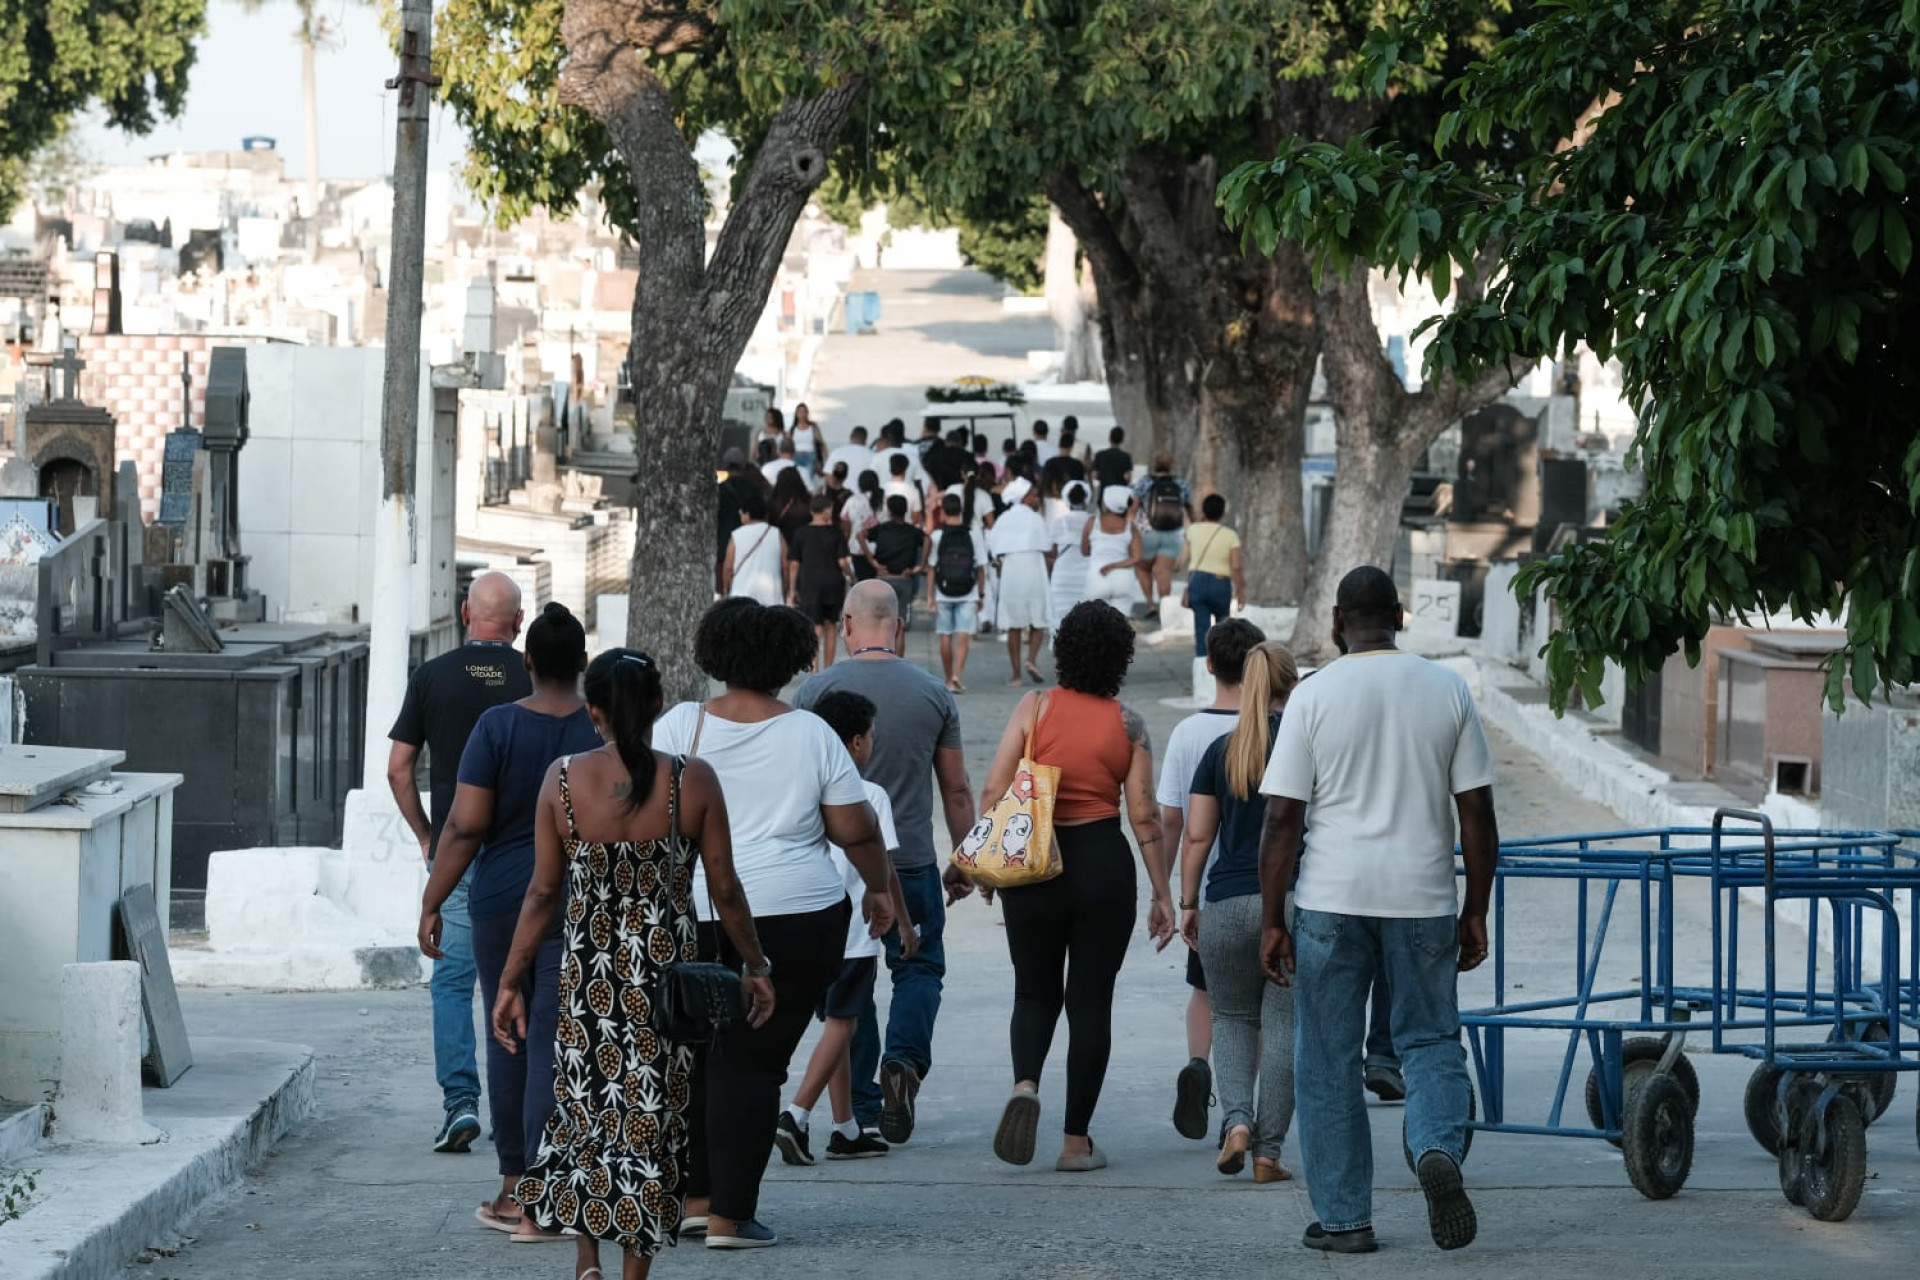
[
  {"x": 1068, "y": 936},
  {"x": 790, "y": 787}
]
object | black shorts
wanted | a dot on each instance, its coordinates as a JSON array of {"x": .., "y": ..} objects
[
  {"x": 823, "y": 602},
  {"x": 850, "y": 992},
  {"x": 1196, "y": 976}
]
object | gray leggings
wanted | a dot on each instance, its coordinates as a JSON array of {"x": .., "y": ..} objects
[{"x": 1252, "y": 1025}]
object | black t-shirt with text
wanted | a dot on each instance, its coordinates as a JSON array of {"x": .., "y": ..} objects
[{"x": 444, "y": 700}]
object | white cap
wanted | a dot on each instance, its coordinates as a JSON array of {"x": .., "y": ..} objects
[
  {"x": 1116, "y": 498},
  {"x": 1017, "y": 489}
]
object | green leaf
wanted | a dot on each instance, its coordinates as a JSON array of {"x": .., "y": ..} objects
[
  {"x": 1763, "y": 341},
  {"x": 1894, "y": 238}
]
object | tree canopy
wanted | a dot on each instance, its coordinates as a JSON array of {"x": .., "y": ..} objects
[
  {"x": 59, "y": 57},
  {"x": 1716, "y": 198}
]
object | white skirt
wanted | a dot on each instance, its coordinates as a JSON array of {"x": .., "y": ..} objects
[{"x": 1023, "y": 592}]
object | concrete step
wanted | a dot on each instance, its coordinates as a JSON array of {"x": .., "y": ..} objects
[
  {"x": 97, "y": 1206},
  {"x": 21, "y": 1130}
]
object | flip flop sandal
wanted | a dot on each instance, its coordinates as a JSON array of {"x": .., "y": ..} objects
[
  {"x": 538, "y": 1237},
  {"x": 487, "y": 1218}
]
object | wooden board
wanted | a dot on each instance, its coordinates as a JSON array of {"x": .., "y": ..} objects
[{"x": 142, "y": 940}]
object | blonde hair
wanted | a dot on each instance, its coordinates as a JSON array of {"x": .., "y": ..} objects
[{"x": 1268, "y": 682}]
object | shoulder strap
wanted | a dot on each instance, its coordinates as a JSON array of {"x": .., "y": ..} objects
[
  {"x": 699, "y": 727},
  {"x": 566, "y": 797},
  {"x": 1202, "y": 554},
  {"x": 1039, "y": 713},
  {"x": 673, "y": 799}
]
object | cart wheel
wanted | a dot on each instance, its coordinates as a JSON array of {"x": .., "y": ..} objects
[
  {"x": 1466, "y": 1142},
  {"x": 1659, "y": 1137},
  {"x": 1763, "y": 1109},
  {"x": 1832, "y": 1178},
  {"x": 1638, "y": 1058},
  {"x": 1788, "y": 1156},
  {"x": 1873, "y": 1090}
]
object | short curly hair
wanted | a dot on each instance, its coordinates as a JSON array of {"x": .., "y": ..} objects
[
  {"x": 1093, "y": 649},
  {"x": 750, "y": 645}
]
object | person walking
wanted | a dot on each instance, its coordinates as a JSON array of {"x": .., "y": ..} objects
[
  {"x": 1067, "y": 584},
  {"x": 1164, "y": 504},
  {"x": 830, "y": 1069},
  {"x": 1068, "y": 936},
  {"x": 957, "y": 584},
  {"x": 862, "y": 514},
  {"x": 810, "y": 446},
  {"x": 1228, "y": 644},
  {"x": 1386, "y": 748},
  {"x": 445, "y": 698},
  {"x": 1019, "y": 544},
  {"x": 791, "y": 788},
  {"x": 1113, "y": 465},
  {"x": 1252, "y": 1018},
  {"x": 817, "y": 576},
  {"x": 919, "y": 761},
  {"x": 1112, "y": 546},
  {"x": 791, "y": 506},
  {"x": 492, "y": 828},
  {"x": 756, "y": 561},
  {"x": 898, "y": 550},
  {"x": 1217, "y": 583},
  {"x": 618, "y": 830},
  {"x": 854, "y": 454}
]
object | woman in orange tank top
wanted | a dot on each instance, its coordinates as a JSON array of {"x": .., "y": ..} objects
[{"x": 1068, "y": 936}]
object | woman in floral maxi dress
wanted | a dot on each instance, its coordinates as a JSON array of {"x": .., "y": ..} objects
[{"x": 621, "y": 827}]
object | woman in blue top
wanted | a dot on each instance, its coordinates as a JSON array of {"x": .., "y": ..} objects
[
  {"x": 1252, "y": 1018},
  {"x": 491, "y": 827}
]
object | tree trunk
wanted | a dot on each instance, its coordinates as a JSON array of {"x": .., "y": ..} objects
[
  {"x": 692, "y": 316},
  {"x": 1067, "y": 304},
  {"x": 1380, "y": 430}
]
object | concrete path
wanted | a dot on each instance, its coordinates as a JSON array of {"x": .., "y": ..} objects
[{"x": 358, "y": 1193}]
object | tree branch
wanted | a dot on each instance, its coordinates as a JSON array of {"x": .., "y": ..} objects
[
  {"x": 1160, "y": 233},
  {"x": 1093, "y": 227}
]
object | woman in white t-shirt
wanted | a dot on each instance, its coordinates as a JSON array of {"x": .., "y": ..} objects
[
  {"x": 756, "y": 560},
  {"x": 795, "y": 788}
]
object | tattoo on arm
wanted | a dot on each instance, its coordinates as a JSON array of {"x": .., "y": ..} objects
[{"x": 1136, "y": 726}]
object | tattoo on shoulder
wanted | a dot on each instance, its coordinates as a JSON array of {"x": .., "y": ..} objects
[{"x": 1136, "y": 728}]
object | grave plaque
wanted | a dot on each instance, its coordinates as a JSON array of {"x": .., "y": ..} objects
[
  {"x": 168, "y": 1053},
  {"x": 176, "y": 476}
]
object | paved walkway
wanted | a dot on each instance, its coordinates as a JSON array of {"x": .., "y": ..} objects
[{"x": 358, "y": 1193}]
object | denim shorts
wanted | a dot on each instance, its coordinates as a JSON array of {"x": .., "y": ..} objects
[
  {"x": 1158, "y": 544},
  {"x": 956, "y": 617}
]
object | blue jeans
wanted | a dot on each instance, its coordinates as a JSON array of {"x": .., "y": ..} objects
[
  {"x": 916, "y": 995},
  {"x": 1380, "y": 1024},
  {"x": 1210, "y": 596},
  {"x": 1336, "y": 957},
  {"x": 451, "y": 987}
]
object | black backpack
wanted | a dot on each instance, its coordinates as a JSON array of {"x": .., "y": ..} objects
[
  {"x": 1166, "y": 506},
  {"x": 955, "y": 572}
]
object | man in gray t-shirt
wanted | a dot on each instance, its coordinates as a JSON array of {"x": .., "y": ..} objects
[{"x": 916, "y": 746}]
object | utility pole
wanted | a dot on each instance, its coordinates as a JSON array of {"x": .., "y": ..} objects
[{"x": 392, "y": 605}]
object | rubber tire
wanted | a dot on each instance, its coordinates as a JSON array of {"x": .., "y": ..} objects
[
  {"x": 1831, "y": 1185},
  {"x": 1639, "y": 1056},
  {"x": 1876, "y": 1088},
  {"x": 1787, "y": 1161},
  {"x": 1763, "y": 1090},
  {"x": 1466, "y": 1143},
  {"x": 1658, "y": 1146}
]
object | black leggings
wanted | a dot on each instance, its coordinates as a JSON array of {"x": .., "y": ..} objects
[
  {"x": 1067, "y": 938},
  {"x": 737, "y": 1081}
]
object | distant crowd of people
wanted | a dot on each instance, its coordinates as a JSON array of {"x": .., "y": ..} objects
[
  {"x": 583, "y": 838},
  {"x": 1006, "y": 544}
]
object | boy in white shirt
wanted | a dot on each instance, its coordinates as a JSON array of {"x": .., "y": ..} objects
[{"x": 829, "y": 1069}]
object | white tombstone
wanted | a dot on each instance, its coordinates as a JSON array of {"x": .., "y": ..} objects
[
  {"x": 1500, "y": 614},
  {"x": 1433, "y": 612},
  {"x": 100, "y": 1028}
]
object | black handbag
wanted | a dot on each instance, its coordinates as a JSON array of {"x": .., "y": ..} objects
[{"x": 694, "y": 1001}]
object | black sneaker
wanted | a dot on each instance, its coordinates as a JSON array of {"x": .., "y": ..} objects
[
  {"x": 864, "y": 1147},
  {"x": 899, "y": 1086},
  {"x": 459, "y": 1130},
  {"x": 1450, "y": 1215},
  {"x": 1386, "y": 1083},
  {"x": 792, "y": 1140},
  {"x": 1357, "y": 1241},
  {"x": 1192, "y": 1090}
]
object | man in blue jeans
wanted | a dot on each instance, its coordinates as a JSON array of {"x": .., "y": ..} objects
[
  {"x": 916, "y": 748},
  {"x": 444, "y": 699},
  {"x": 1384, "y": 748}
]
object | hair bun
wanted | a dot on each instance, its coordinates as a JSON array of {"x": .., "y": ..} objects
[{"x": 555, "y": 609}]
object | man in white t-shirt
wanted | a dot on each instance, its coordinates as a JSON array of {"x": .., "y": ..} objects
[
  {"x": 1228, "y": 644},
  {"x": 1385, "y": 748},
  {"x": 854, "y": 453}
]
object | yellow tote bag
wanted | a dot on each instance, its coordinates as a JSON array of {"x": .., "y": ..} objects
[{"x": 1012, "y": 843}]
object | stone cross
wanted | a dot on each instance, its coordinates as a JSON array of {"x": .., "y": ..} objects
[{"x": 70, "y": 364}]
